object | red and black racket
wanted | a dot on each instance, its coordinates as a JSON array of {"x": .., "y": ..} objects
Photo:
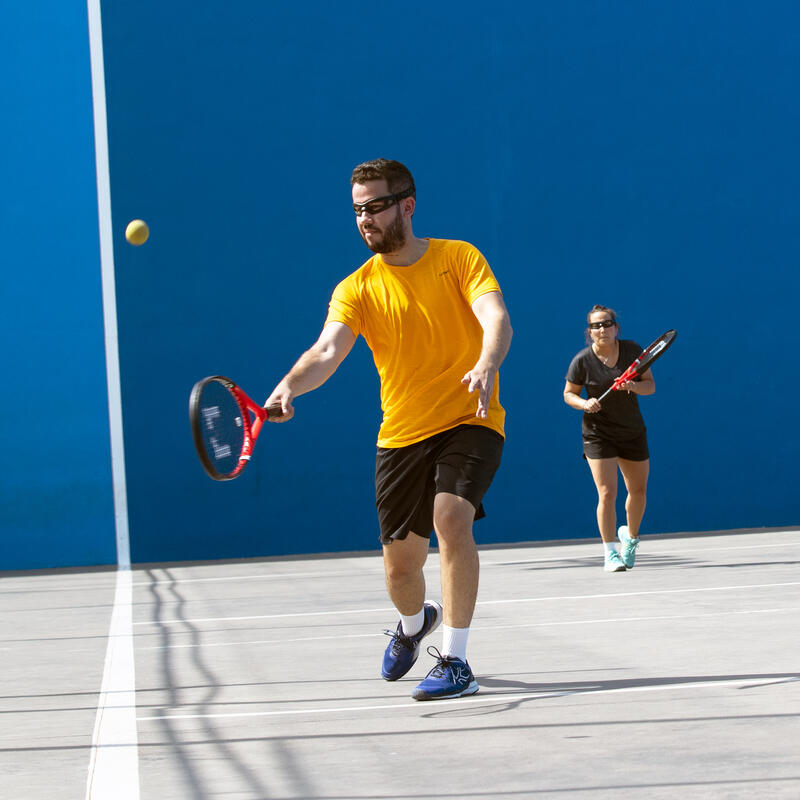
[
  {"x": 224, "y": 431},
  {"x": 644, "y": 361}
]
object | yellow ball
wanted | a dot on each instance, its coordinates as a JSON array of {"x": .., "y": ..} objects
[{"x": 137, "y": 232}]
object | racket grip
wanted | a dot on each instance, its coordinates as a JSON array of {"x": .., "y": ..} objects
[
  {"x": 628, "y": 375},
  {"x": 263, "y": 414},
  {"x": 605, "y": 393},
  {"x": 613, "y": 388}
]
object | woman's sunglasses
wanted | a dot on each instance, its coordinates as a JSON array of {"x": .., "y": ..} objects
[{"x": 605, "y": 323}]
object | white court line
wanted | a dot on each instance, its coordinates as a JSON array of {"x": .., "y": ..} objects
[
  {"x": 114, "y": 756},
  {"x": 661, "y": 551},
  {"x": 260, "y": 576},
  {"x": 267, "y": 616},
  {"x": 379, "y": 568},
  {"x": 510, "y": 601},
  {"x": 642, "y": 594},
  {"x": 466, "y": 703},
  {"x": 493, "y": 627}
]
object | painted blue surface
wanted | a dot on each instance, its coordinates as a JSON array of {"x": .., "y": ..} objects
[
  {"x": 641, "y": 155},
  {"x": 56, "y": 505},
  {"x": 629, "y": 154}
]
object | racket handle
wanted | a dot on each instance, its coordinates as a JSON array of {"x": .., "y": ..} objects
[
  {"x": 265, "y": 413},
  {"x": 628, "y": 375}
]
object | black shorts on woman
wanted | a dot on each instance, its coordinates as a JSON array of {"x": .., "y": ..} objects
[
  {"x": 634, "y": 449},
  {"x": 460, "y": 461},
  {"x": 618, "y": 429}
]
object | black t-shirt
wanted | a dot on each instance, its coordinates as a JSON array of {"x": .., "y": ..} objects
[{"x": 619, "y": 418}]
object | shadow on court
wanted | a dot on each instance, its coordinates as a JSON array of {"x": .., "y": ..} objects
[{"x": 259, "y": 678}]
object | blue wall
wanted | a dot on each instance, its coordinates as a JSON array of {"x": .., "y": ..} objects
[
  {"x": 56, "y": 506},
  {"x": 641, "y": 155}
]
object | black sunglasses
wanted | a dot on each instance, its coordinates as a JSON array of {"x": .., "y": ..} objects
[
  {"x": 378, "y": 204},
  {"x": 606, "y": 323}
]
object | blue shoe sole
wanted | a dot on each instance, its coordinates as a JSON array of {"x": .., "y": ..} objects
[{"x": 471, "y": 688}]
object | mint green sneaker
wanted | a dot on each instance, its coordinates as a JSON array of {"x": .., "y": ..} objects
[
  {"x": 628, "y": 551},
  {"x": 613, "y": 562}
]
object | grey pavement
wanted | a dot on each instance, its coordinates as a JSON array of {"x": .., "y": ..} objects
[{"x": 260, "y": 678}]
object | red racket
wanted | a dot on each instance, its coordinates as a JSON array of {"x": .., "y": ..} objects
[
  {"x": 644, "y": 361},
  {"x": 222, "y": 426}
]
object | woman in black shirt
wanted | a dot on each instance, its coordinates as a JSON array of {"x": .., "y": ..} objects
[{"x": 614, "y": 433}]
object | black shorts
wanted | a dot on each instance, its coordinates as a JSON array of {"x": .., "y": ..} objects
[
  {"x": 461, "y": 461},
  {"x": 634, "y": 449}
]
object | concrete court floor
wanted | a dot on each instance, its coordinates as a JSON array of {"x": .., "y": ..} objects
[{"x": 260, "y": 679}]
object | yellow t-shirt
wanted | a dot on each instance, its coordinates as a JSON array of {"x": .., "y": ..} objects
[{"x": 424, "y": 337}]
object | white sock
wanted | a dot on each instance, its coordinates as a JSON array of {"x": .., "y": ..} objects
[
  {"x": 630, "y": 535},
  {"x": 414, "y": 623},
  {"x": 608, "y": 547},
  {"x": 454, "y": 642}
]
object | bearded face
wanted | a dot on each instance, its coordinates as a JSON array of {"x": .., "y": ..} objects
[
  {"x": 383, "y": 237},
  {"x": 379, "y": 216}
]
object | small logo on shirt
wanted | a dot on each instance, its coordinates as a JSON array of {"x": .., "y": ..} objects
[{"x": 443, "y": 273}]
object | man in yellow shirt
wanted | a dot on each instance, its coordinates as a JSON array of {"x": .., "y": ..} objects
[{"x": 432, "y": 313}]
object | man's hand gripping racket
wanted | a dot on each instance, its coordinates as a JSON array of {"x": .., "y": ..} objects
[
  {"x": 643, "y": 362},
  {"x": 225, "y": 425}
]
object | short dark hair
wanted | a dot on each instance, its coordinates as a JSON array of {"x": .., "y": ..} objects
[
  {"x": 397, "y": 176},
  {"x": 595, "y": 308}
]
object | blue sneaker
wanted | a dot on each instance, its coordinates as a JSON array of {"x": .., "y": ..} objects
[
  {"x": 451, "y": 677},
  {"x": 403, "y": 651},
  {"x": 628, "y": 551}
]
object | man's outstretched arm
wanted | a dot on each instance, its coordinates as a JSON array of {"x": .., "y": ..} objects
[{"x": 313, "y": 368}]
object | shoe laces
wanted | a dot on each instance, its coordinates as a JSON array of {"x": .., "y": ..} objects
[
  {"x": 399, "y": 640},
  {"x": 443, "y": 663}
]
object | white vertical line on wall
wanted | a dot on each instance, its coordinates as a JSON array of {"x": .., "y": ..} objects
[
  {"x": 109, "y": 284},
  {"x": 114, "y": 756}
]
